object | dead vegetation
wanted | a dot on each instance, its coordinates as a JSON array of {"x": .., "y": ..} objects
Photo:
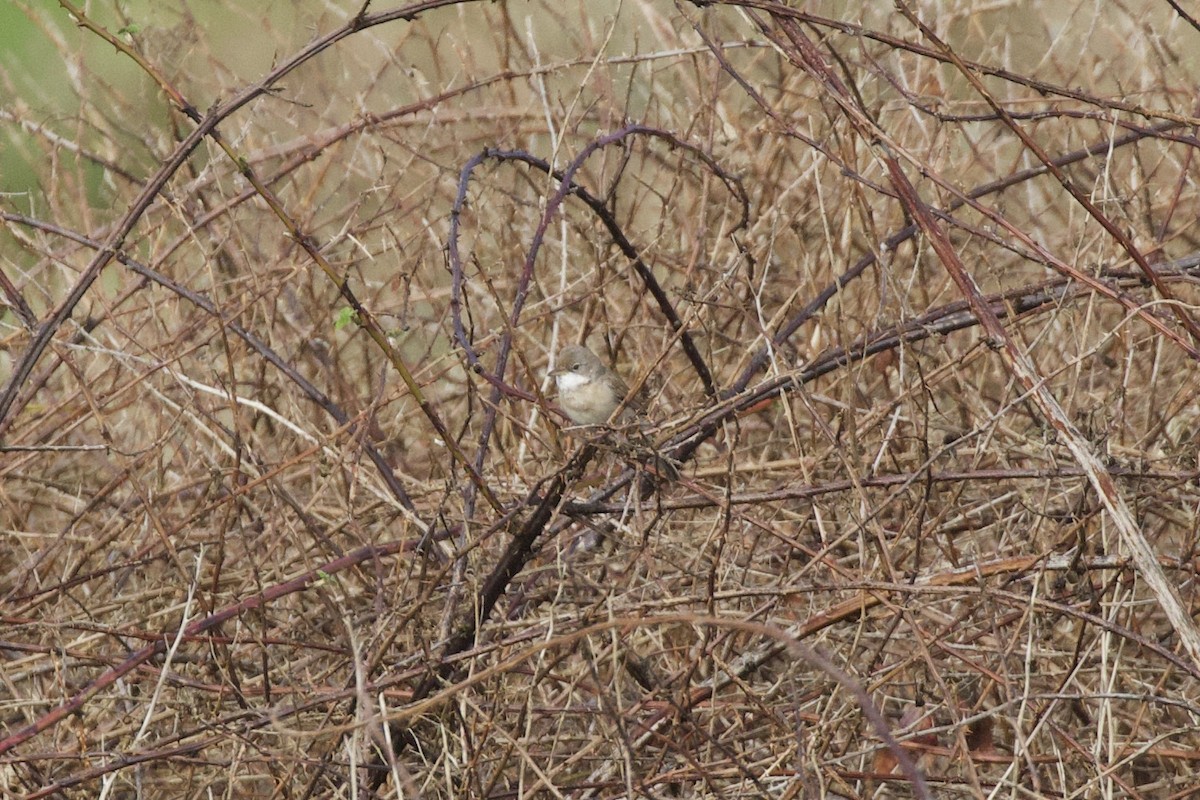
[{"x": 287, "y": 507}]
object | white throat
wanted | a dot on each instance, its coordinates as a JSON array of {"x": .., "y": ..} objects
[{"x": 570, "y": 380}]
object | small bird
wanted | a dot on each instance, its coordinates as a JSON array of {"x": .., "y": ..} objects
[{"x": 588, "y": 390}]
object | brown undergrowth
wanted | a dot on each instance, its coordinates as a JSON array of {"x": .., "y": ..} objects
[{"x": 288, "y": 509}]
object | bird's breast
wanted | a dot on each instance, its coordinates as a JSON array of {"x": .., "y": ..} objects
[{"x": 587, "y": 402}]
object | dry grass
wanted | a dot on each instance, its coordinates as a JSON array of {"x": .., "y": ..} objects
[{"x": 288, "y": 510}]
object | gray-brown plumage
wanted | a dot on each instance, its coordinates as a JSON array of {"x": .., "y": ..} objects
[{"x": 588, "y": 390}]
